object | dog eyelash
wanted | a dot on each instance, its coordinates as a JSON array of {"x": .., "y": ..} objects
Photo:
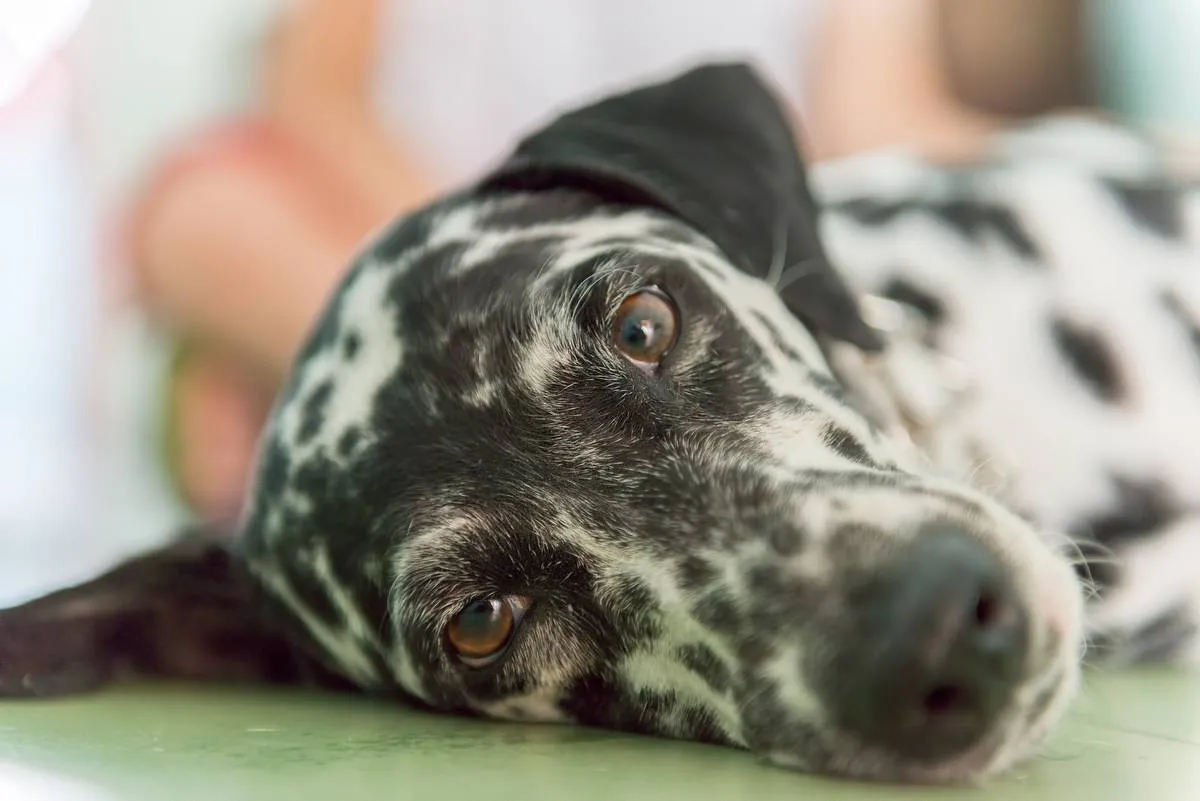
[{"x": 600, "y": 284}]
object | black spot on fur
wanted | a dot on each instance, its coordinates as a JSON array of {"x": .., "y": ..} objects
[
  {"x": 1160, "y": 640},
  {"x": 870, "y": 211},
  {"x": 704, "y": 662},
  {"x": 970, "y": 218},
  {"x": 313, "y": 414},
  {"x": 779, "y": 597},
  {"x": 844, "y": 443},
  {"x": 350, "y": 345},
  {"x": 1156, "y": 207},
  {"x": 785, "y": 540},
  {"x": 1090, "y": 357},
  {"x": 973, "y": 219},
  {"x": 349, "y": 441},
  {"x": 1140, "y": 510},
  {"x": 924, "y": 303},
  {"x": 1165, "y": 637},
  {"x": 634, "y": 594},
  {"x": 717, "y": 611},
  {"x": 696, "y": 573}
]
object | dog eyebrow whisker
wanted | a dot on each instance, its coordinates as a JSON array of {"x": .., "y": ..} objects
[
  {"x": 579, "y": 295},
  {"x": 543, "y": 268},
  {"x": 795, "y": 272},
  {"x": 980, "y": 467},
  {"x": 778, "y": 254}
]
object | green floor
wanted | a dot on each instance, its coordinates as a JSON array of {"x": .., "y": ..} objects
[{"x": 1134, "y": 737}]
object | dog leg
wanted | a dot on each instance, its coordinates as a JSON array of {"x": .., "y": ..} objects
[{"x": 186, "y": 611}]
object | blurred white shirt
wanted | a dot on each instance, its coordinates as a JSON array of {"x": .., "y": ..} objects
[
  {"x": 47, "y": 305},
  {"x": 462, "y": 79}
]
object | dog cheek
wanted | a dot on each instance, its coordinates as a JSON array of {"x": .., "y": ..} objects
[{"x": 532, "y": 682}]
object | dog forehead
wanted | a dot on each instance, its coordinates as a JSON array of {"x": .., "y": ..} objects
[
  {"x": 474, "y": 266},
  {"x": 467, "y": 263},
  {"x": 469, "y": 267},
  {"x": 413, "y": 275}
]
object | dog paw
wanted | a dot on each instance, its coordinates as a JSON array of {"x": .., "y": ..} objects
[{"x": 44, "y": 659}]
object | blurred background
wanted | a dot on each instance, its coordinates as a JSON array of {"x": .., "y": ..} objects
[{"x": 182, "y": 182}]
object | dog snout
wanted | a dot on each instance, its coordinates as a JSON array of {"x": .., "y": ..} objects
[{"x": 942, "y": 647}]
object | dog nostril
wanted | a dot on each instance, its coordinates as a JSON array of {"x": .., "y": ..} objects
[
  {"x": 945, "y": 699},
  {"x": 996, "y": 614},
  {"x": 986, "y": 611}
]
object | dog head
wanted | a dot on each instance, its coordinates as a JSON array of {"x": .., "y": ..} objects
[{"x": 565, "y": 446}]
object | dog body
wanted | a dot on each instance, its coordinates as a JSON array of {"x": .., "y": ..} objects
[
  {"x": 1053, "y": 348},
  {"x": 606, "y": 439}
]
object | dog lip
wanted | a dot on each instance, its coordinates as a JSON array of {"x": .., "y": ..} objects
[{"x": 862, "y": 762}]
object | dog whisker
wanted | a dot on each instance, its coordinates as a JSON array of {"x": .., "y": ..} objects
[
  {"x": 802, "y": 268},
  {"x": 778, "y": 254}
]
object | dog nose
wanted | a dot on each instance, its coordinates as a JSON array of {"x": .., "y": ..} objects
[{"x": 943, "y": 646}]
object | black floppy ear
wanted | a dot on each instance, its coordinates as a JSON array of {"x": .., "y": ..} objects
[
  {"x": 188, "y": 610},
  {"x": 713, "y": 147}
]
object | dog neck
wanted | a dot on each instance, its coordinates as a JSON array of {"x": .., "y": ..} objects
[{"x": 913, "y": 393}]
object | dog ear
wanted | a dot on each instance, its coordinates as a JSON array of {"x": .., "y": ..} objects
[
  {"x": 188, "y": 611},
  {"x": 712, "y": 147}
]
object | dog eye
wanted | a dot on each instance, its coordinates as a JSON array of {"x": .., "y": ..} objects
[
  {"x": 645, "y": 327},
  {"x": 481, "y": 631}
]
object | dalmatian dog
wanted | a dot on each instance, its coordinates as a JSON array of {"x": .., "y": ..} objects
[{"x": 649, "y": 429}]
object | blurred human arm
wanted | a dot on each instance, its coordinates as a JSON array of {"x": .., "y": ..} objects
[
  {"x": 937, "y": 76},
  {"x": 318, "y": 87}
]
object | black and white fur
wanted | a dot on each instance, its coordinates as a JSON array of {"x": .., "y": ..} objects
[{"x": 459, "y": 425}]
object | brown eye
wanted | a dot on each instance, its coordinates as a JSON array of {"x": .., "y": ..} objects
[
  {"x": 646, "y": 327},
  {"x": 481, "y": 631}
]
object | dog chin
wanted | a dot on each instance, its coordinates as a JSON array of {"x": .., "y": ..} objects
[
  {"x": 1014, "y": 741},
  {"x": 987, "y": 760}
]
